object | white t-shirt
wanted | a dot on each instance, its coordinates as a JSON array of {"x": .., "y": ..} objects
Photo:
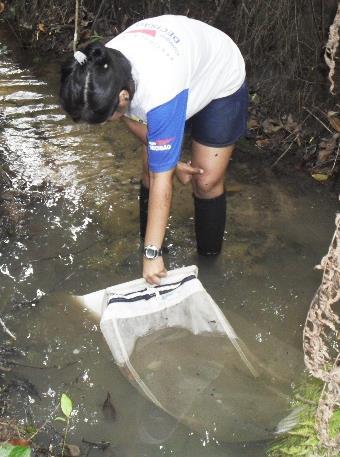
[{"x": 179, "y": 66}]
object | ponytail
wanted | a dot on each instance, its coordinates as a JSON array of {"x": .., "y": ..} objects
[{"x": 91, "y": 82}]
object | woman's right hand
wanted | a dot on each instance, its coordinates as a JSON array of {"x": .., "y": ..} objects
[
  {"x": 185, "y": 172},
  {"x": 154, "y": 270}
]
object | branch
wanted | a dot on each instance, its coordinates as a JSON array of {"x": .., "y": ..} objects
[{"x": 6, "y": 330}]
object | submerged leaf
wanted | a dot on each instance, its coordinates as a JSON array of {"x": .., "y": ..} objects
[{"x": 66, "y": 405}]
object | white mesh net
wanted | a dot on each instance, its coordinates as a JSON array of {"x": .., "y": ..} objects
[{"x": 175, "y": 345}]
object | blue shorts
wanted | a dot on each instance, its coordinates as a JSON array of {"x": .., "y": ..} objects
[{"x": 223, "y": 121}]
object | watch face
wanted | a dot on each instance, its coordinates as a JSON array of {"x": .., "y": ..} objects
[{"x": 150, "y": 252}]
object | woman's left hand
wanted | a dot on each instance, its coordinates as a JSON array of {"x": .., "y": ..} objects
[
  {"x": 185, "y": 172},
  {"x": 154, "y": 270}
]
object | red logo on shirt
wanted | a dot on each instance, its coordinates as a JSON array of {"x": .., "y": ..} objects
[
  {"x": 165, "y": 141},
  {"x": 146, "y": 31}
]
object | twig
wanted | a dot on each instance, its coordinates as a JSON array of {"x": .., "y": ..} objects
[
  {"x": 283, "y": 154},
  {"x": 305, "y": 400},
  {"x": 6, "y": 330},
  {"x": 101, "y": 445},
  {"x": 36, "y": 300},
  {"x": 49, "y": 418},
  {"x": 53, "y": 367},
  {"x": 322, "y": 21},
  {"x": 245, "y": 8},
  {"x": 217, "y": 12},
  {"x": 76, "y": 23},
  {"x": 13, "y": 31},
  {"x": 319, "y": 120},
  {"x": 97, "y": 15},
  {"x": 336, "y": 158},
  {"x": 314, "y": 20}
]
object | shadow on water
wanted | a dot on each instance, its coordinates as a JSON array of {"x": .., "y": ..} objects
[{"x": 82, "y": 235}]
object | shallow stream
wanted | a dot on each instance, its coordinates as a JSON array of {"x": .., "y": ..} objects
[{"x": 79, "y": 233}]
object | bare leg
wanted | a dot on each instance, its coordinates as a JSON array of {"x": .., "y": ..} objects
[{"x": 214, "y": 162}]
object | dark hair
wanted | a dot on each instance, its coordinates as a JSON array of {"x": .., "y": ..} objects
[{"x": 90, "y": 91}]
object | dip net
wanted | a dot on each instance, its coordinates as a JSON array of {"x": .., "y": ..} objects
[{"x": 176, "y": 346}]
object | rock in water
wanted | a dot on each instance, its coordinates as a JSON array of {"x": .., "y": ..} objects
[{"x": 71, "y": 450}]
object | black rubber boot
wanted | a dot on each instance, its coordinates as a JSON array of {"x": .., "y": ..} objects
[
  {"x": 143, "y": 209},
  {"x": 210, "y": 218}
]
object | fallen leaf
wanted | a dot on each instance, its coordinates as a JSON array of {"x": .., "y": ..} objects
[
  {"x": 334, "y": 120},
  {"x": 41, "y": 27},
  {"x": 327, "y": 147},
  {"x": 253, "y": 123},
  {"x": 19, "y": 442},
  {"x": 2, "y": 7},
  {"x": 320, "y": 176},
  {"x": 271, "y": 125},
  {"x": 323, "y": 155},
  {"x": 291, "y": 125},
  {"x": 255, "y": 98},
  {"x": 262, "y": 143}
]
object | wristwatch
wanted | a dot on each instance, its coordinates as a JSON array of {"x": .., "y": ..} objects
[{"x": 151, "y": 252}]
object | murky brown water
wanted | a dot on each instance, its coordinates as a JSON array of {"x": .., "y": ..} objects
[{"x": 83, "y": 236}]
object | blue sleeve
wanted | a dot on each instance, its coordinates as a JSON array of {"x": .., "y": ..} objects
[{"x": 165, "y": 133}]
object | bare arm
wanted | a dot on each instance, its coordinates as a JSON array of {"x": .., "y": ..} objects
[{"x": 158, "y": 214}]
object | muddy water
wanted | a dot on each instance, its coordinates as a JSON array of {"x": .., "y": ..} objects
[{"x": 80, "y": 233}]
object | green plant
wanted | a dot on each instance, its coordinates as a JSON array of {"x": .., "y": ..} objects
[
  {"x": 9, "y": 450},
  {"x": 302, "y": 440},
  {"x": 67, "y": 408}
]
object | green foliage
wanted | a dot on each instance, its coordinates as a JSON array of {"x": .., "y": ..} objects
[
  {"x": 67, "y": 408},
  {"x": 66, "y": 405},
  {"x": 95, "y": 37},
  {"x": 302, "y": 440},
  {"x": 8, "y": 450},
  {"x": 334, "y": 424}
]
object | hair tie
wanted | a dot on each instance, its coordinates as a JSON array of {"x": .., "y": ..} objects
[{"x": 80, "y": 57}]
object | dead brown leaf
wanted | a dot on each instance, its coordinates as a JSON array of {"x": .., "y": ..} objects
[
  {"x": 19, "y": 442},
  {"x": 327, "y": 147},
  {"x": 334, "y": 120},
  {"x": 41, "y": 27},
  {"x": 2, "y": 7},
  {"x": 324, "y": 155},
  {"x": 291, "y": 125},
  {"x": 253, "y": 123},
  {"x": 262, "y": 142},
  {"x": 271, "y": 125}
]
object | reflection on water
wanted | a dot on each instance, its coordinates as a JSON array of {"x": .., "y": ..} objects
[{"x": 81, "y": 235}]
